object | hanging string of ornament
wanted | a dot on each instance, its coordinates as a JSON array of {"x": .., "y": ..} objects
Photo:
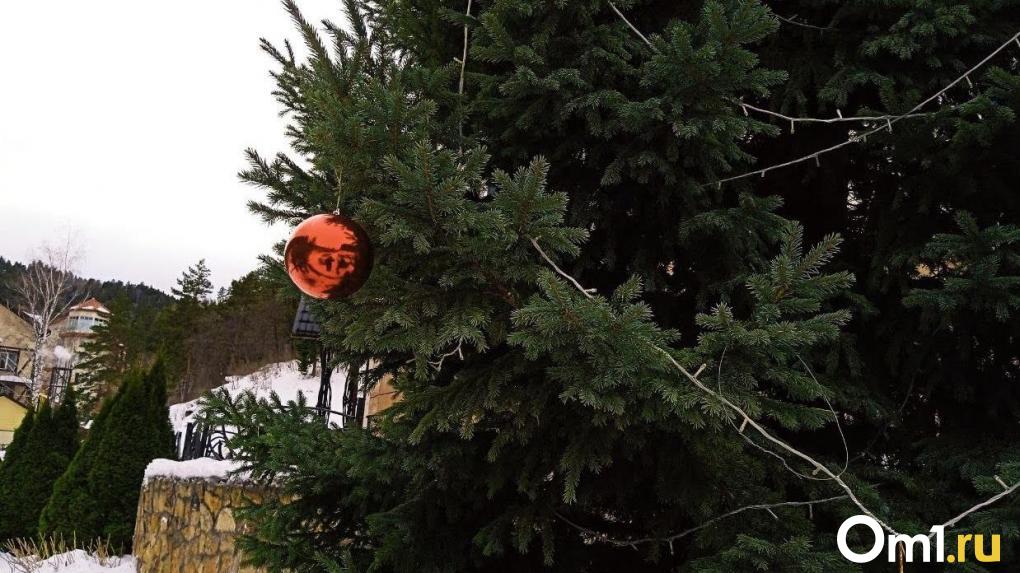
[{"x": 885, "y": 121}]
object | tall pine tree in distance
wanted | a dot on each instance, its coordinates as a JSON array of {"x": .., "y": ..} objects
[
  {"x": 178, "y": 323},
  {"x": 114, "y": 347},
  {"x": 194, "y": 285},
  {"x": 556, "y": 250}
]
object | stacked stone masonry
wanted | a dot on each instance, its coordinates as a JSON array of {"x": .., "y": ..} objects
[{"x": 189, "y": 526}]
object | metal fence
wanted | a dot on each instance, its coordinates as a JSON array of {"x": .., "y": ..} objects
[{"x": 201, "y": 441}]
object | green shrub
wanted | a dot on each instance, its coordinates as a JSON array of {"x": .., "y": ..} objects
[
  {"x": 98, "y": 495},
  {"x": 49, "y": 444}
]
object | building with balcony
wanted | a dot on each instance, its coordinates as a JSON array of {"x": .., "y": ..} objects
[
  {"x": 72, "y": 330},
  {"x": 75, "y": 326},
  {"x": 16, "y": 340},
  {"x": 60, "y": 355}
]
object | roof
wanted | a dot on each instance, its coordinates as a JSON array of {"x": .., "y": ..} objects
[
  {"x": 305, "y": 324},
  {"x": 14, "y": 379},
  {"x": 8, "y": 383},
  {"x": 91, "y": 304},
  {"x": 17, "y": 318},
  {"x": 14, "y": 400}
]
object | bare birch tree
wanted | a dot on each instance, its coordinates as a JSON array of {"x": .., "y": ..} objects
[{"x": 46, "y": 290}]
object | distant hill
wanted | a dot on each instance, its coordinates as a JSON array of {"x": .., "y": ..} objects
[
  {"x": 9, "y": 271},
  {"x": 140, "y": 294}
]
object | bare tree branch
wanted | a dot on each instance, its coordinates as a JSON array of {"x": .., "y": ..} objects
[
  {"x": 792, "y": 20},
  {"x": 458, "y": 350},
  {"x": 46, "y": 290},
  {"x": 600, "y": 536},
  {"x": 1007, "y": 491}
]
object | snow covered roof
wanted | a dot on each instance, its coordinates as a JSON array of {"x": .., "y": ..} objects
[
  {"x": 9, "y": 390},
  {"x": 14, "y": 379}
]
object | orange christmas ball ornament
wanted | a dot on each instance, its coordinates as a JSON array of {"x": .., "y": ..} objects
[{"x": 328, "y": 256}]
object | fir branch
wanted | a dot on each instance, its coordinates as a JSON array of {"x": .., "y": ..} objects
[
  {"x": 763, "y": 432},
  {"x": 587, "y": 292},
  {"x": 747, "y": 420},
  {"x": 459, "y": 351}
]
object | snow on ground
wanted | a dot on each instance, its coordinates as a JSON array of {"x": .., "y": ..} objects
[
  {"x": 76, "y": 561},
  {"x": 284, "y": 378},
  {"x": 201, "y": 468}
]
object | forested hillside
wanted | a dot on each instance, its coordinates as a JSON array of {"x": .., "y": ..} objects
[
  {"x": 140, "y": 294},
  {"x": 202, "y": 338}
]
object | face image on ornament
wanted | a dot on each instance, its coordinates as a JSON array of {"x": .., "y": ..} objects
[{"x": 328, "y": 256}]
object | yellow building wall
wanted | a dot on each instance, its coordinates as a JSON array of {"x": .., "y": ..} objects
[{"x": 11, "y": 414}]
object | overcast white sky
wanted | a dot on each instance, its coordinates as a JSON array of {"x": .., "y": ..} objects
[{"x": 126, "y": 121}]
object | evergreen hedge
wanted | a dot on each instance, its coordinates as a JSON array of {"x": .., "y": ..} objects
[
  {"x": 14, "y": 452},
  {"x": 98, "y": 495},
  {"x": 49, "y": 443}
]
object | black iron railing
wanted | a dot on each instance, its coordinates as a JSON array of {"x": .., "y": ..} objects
[{"x": 201, "y": 441}]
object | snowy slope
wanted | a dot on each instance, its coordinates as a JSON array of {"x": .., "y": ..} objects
[{"x": 282, "y": 378}]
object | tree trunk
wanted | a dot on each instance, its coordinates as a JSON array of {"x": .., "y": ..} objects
[{"x": 33, "y": 387}]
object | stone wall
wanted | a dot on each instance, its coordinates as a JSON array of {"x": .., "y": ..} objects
[{"x": 188, "y": 525}]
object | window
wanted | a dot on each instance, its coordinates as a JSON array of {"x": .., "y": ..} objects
[
  {"x": 81, "y": 323},
  {"x": 9, "y": 358}
]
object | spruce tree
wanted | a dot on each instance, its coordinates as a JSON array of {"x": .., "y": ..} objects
[
  {"x": 194, "y": 285},
  {"x": 114, "y": 347},
  {"x": 12, "y": 456},
  {"x": 543, "y": 426},
  {"x": 97, "y": 497},
  {"x": 73, "y": 512},
  {"x": 17, "y": 444},
  {"x": 137, "y": 431},
  {"x": 47, "y": 452}
]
